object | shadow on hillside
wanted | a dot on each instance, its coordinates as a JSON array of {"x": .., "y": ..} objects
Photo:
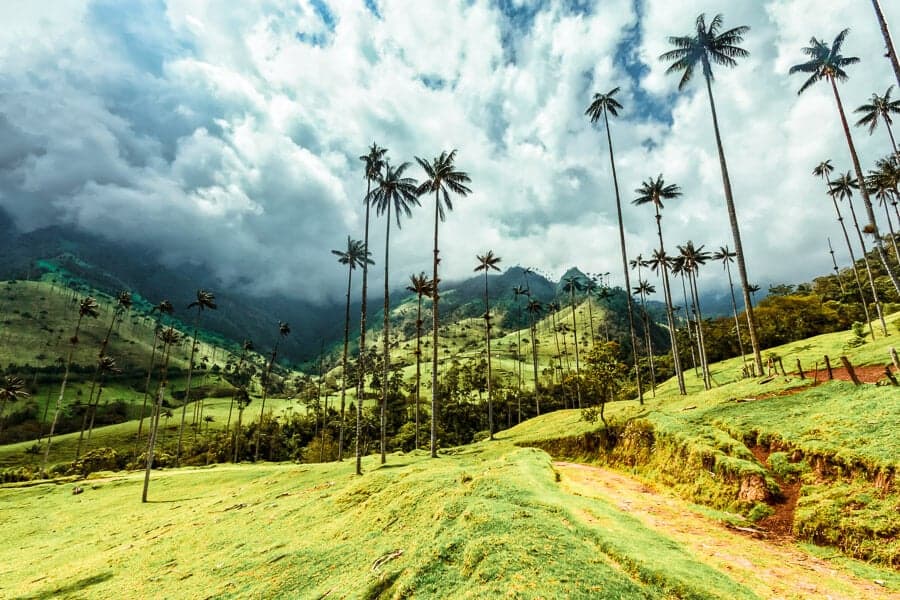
[{"x": 67, "y": 589}]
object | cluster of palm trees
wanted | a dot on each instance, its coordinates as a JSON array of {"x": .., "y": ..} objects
[{"x": 390, "y": 190}]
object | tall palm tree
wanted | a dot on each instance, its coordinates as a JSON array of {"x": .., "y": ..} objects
[
  {"x": 842, "y": 188},
  {"x": 170, "y": 339},
  {"x": 554, "y": 308},
  {"x": 654, "y": 191},
  {"x": 837, "y": 270},
  {"x": 237, "y": 374},
  {"x": 572, "y": 284},
  {"x": 283, "y": 331},
  {"x": 880, "y": 108},
  {"x": 354, "y": 256},
  {"x": 394, "y": 191},
  {"x": 676, "y": 267},
  {"x": 727, "y": 257},
  {"x": 708, "y": 46},
  {"x": 534, "y": 309},
  {"x": 644, "y": 289},
  {"x": 88, "y": 307},
  {"x": 123, "y": 304},
  {"x": 888, "y": 42},
  {"x": 11, "y": 389},
  {"x": 374, "y": 165},
  {"x": 693, "y": 258},
  {"x": 441, "y": 177},
  {"x": 827, "y": 63},
  {"x": 603, "y": 105},
  {"x": 488, "y": 262},
  {"x": 163, "y": 308},
  {"x": 824, "y": 170},
  {"x": 519, "y": 291},
  {"x": 205, "y": 300},
  {"x": 422, "y": 287},
  {"x": 882, "y": 187}
]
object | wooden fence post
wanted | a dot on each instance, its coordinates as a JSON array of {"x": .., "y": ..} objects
[
  {"x": 800, "y": 370},
  {"x": 850, "y": 370},
  {"x": 828, "y": 368},
  {"x": 894, "y": 358}
]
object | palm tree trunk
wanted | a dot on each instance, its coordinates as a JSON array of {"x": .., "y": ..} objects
[
  {"x": 859, "y": 285},
  {"x": 361, "y": 366},
  {"x": 879, "y": 245},
  {"x": 556, "y": 336},
  {"x": 590, "y": 318},
  {"x": 646, "y": 319},
  {"x": 418, "y": 366},
  {"x": 154, "y": 421},
  {"x": 612, "y": 162},
  {"x": 687, "y": 317},
  {"x": 237, "y": 373},
  {"x": 344, "y": 363},
  {"x": 887, "y": 126},
  {"x": 577, "y": 363},
  {"x": 670, "y": 317},
  {"x": 434, "y": 331},
  {"x": 487, "y": 334},
  {"x": 534, "y": 363},
  {"x": 736, "y": 234},
  {"x": 387, "y": 333},
  {"x": 887, "y": 215},
  {"x": 187, "y": 391},
  {"x": 518, "y": 362},
  {"x": 837, "y": 270},
  {"x": 147, "y": 382},
  {"x": 262, "y": 408},
  {"x": 695, "y": 292},
  {"x": 737, "y": 322},
  {"x": 91, "y": 407},
  {"x": 888, "y": 42},
  {"x": 62, "y": 393},
  {"x": 862, "y": 243}
]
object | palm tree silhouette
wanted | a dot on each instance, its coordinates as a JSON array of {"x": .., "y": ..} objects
[
  {"x": 824, "y": 170},
  {"x": 708, "y": 46},
  {"x": 441, "y": 177},
  {"x": 283, "y": 331},
  {"x": 534, "y": 309},
  {"x": 422, "y": 287},
  {"x": 354, "y": 256},
  {"x": 11, "y": 389},
  {"x": 205, "y": 300},
  {"x": 654, "y": 191},
  {"x": 88, "y": 307},
  {"x": 374, "y": 165},
  {"x": 880, "y": 108},
  {"x": 572, "y": 284},
  {"x": 400, "y": 193},
  {"x": 605, "y": 104},
  {"x": 888, "y": 42},
  {"x": 827, "y": 63},
  {"x": 518, "y": 291},
  {"x": 170, "y": 339},
  {"x": 727, "y": 257},
  {"x": 163, "y": 308},
  {"x": 488, "y": 262},
  {"x": 842, "y": 188},
  {"x": 692, "y": 258},
  {"x": 644, "y": 289}
]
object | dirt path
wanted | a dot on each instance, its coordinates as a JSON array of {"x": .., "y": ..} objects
[{"x": 772, "y": 568}]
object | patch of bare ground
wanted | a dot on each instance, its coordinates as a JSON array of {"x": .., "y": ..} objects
[
  {"x": 772, "y": 566},
  {"x": 781, "y": 523}
]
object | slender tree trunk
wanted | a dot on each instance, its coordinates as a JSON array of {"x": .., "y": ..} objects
[
  {"x": 687, "y": 319},
  {"x": 612, "y": 162},
  {"x": 262, "y": 408},
  {"x": 862, "y": 243},
  {"x": 237, "y": 373},
  {"x": 888, "y": 42},
  {"x": 649, "y": 343},
  {"x": 577, "y": 362},
  {"x": 418, "y": 366},
  {"x": 737, "y": 322},
  {"x": 387, "y": 334},
  {"x": 867, "y": 203},
  {"x": 361, "y": 367},
  {"x": 434, "y": 327},
  {"x": 887, "y": 215},
  {"x": 62, "y": 393},
  {"x": 187, "y": 391},
  {"x": 556, "y": 336},
  {"x": 695, "y": 292},
  {"x": 670, "y": 317},
  {"x": 154, "y": 424},
  {"x": 147, "y": 382},
  {"x": 344, "y": 363},
  {"x": 534, "y": 363},
  {"x": 887, "y": 125},
  {"x": 736, "y": 234},
  {"x": 837, "y": 271},
  {"x": 859, "y": 285},
  {"x": 487, "y": 335},
  {"x": 90, "y": 405}
]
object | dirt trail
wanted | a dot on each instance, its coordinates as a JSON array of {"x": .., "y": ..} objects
[{"x": 772, "y": 568}]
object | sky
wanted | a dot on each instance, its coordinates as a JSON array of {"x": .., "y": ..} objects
[{"x": 228, "y": 134}]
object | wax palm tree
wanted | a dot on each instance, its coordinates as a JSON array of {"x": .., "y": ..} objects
[
  {"x": 726, "y": 256},
  {"x": 488, "y": 262},
  {"x": 88, "y": 307},
  {"x": 604, "y": 105},
  {"x": 572, "y": 284},
  {"x": 827, "y": 63},
  {"x": 283, "y": 331},
  {"x": 354, "y": 256},
  {"x": 644, "y": 289},
  {"x": 693, "y": 258},
  {"x": 677, "y": 268},
  {"x": 441, "y": 177},
  {"x": 882, "y": 186},
  {"x": 422, "y": 287},
  {"x": 237, "y": 374},
  {"x": 880, "y": 109},
  {"x": 519, "y": 291},
  {"x": 170, "y": 338},
  {"x": 163, "y": 308},
  {"x": 242, "y": 397},
  {"x": 123, "y": 304},
  {"x": 373, "y": 167},
  {"x": 399, "y": 193},
  {"x": 205, "y": 300},
  {"x": 654, "y": 191},
  {"x": 888, "y": 42},
  {"x": 534, "y": 309},
  {"x": 842, "y": 188},
  {"x": 11, "y": 389},
  {"x": 554, "y": 308},
  {"x": 824, "y": 170},
  {"x": 710, "y": 46}
]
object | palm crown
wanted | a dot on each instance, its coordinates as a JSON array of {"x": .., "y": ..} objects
[
  {"x": 373, "y": 161},
  {"x": 441, "y": 177},
  {"x": 487, "y": 262},
  {"x": 205, "y": 299},
  {"x": 355, "y": 255},
  {"x": 89, "y": 308},
  {"x": 826, "y": 62},
  {"x": 823, "y": 169},
  {"x": 843, "y": 186},
  {"x": 655, "y": 191},
  {"x": 707, "y": 46},
  {"x": 420, "y": 285},
  {"x": 725, "y": 255},
  {"x": 879, "y": 107},
  {"x": 604, "y": 102},
  {"x": 395, "y": 190}
]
